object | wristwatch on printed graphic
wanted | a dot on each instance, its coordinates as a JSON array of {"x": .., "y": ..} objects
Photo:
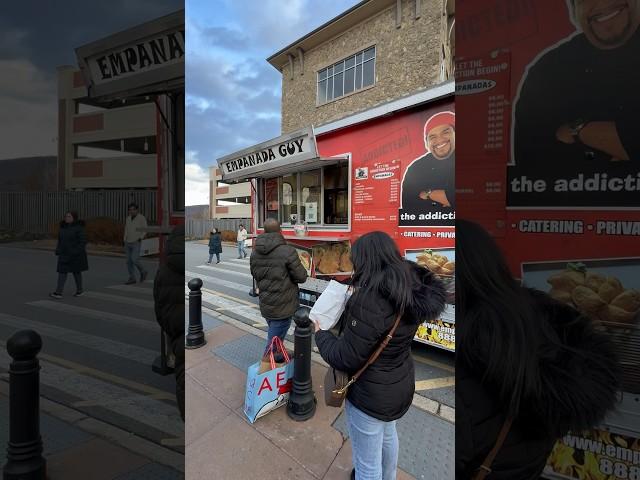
[
  {"x": 575, "y": 128},
  {"x": 429, "y": 195}
]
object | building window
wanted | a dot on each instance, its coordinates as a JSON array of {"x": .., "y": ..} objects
[
  {"x": 353, "y": 73},
  {"x": 289, "y": 195},
  {"x": 317, "y": 197}
]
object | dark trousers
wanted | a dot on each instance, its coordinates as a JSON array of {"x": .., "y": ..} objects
[{"x": 62, "y": 279}]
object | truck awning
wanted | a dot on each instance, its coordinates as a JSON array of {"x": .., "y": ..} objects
[{"x": 293, "y": 152}]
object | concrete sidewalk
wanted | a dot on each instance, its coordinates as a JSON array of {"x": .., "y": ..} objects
[
  {"x": 221, "y": 444},
  {"x": 80, "y": 447}
]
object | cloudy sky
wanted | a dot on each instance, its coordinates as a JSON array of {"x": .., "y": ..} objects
[
  {"x": 37, "y": 36},
  {"x": 233, "y": 94}
]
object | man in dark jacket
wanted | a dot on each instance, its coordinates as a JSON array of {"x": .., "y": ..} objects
[
  {"x": 576, "y": 112},
  {"x": 277, "y": 269},
  {"x": 168, "y": 295}
]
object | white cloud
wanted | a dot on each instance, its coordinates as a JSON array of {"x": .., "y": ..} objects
[
  {"x": 196, "y": 182},
  {"x": 28, "y": 110}
]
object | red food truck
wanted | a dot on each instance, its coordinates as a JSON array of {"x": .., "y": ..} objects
[
  {"x": 532, "y": 89},
  {"x": 331, "y": 184}
]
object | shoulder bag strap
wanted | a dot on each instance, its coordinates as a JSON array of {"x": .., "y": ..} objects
[
  {"x": 485, "y": 468},
  {"x": 378, "y": 350}
]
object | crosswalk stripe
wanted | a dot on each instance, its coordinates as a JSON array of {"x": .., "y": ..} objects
[
  {"x": 229, "y": 305},
  {"x": 244, "y": 264},
  {"x": 112, "y": 347},
  {"x": 130, "y": 289},
  {"x": 226, "y": 271},
  {"x": 120, "y": 299},
  {"x": 230, "y": 297},
  {"x": 97, "y": 314},
  {"x": 82, "y": 384},
  {"x": 218, "y": 282}
]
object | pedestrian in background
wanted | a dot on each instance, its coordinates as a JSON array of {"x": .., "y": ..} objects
[
  {"x": 385, "y": 287},
  {"x": 242, "y": 238},
  {"x": 72, "y": 253},
  {"x": 168, "y": 296},
  {"x": 215, "y": 245},
  {"x": 277, "y": 270},
  {"x": 133, "y": 235},
  {"x": 525, "y": 364}
]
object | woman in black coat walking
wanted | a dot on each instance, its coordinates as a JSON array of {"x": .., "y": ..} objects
[
  {"x": 385, "y": 286},
  {"x": 215, "y": 245},
  {"x": 523, "y": 356},
  {"x": 72, "y": 253}
]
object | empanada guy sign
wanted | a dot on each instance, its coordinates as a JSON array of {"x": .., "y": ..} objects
[
  {"x": 148, "y": 54},
  {"x": 143, "y": 60},
  {"x": 284, "y": 151}
]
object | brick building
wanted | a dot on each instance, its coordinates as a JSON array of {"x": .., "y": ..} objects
[{"x": 373, "y": 53}]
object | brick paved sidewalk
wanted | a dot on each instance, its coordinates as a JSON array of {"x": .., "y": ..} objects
[
  {"x": 79, "y": 447},
  {"x": 221, "y": 444}
]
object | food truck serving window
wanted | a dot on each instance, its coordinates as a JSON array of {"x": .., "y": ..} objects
[{"x": 318, "y": 197}]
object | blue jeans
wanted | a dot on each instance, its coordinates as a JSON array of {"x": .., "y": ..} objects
[
  {"x": 241, "y": 252},
  {"x": 277, "y": 328},
  {"x": 133, "y": 259},
  {"x": 217, "y": 257},
  {"x": 374, "y": 445}
]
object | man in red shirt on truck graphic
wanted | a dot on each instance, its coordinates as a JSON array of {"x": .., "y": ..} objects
[{"x": 429, "y": 181}]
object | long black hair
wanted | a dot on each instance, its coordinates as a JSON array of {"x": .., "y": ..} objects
[
  {"x": 380, "y": 269},
  {"x": 496, "y": 329}
]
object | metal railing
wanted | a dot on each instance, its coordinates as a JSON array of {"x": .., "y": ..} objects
[
  {"x": 199, "y": 228},
  {"x": 35, "y": 212}
]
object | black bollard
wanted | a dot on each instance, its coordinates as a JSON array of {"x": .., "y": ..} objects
[
  {"x": 195, "y": 338},
  {"x": 302, "y": 401},
  {"x": 24, "y": 453}
]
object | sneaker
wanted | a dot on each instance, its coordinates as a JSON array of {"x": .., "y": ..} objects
[
  {"x": 209, "y": 263},
  {"x": 78, "y": 294},
  {"x": 239, "y": 258},
  {"x": 131, "y": 281},
  {"x": 218, "y": 262},
  {"x": 143, "y": 276},
  {"x": 55, "y": 295}
]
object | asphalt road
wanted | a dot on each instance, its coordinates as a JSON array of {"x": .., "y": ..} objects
[
  {"x": 226, "y": 286},
  {"x": 98, "y": 349}
]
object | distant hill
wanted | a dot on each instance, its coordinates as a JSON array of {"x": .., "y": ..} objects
[
  {"x": 197, "y": 211},
  {"x": 29, "y": 174}
]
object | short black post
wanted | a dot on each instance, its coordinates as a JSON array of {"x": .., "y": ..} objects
[
  {"x": 24, "y": 453},
  {"x": 302, "y": 402},
  {"x": 195, "y": 338}
]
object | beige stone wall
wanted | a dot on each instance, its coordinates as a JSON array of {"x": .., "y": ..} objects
[{"x": 407, "y": 60}]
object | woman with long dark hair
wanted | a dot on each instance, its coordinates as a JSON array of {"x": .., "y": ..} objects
[
  {"x": 520, "y": 355},
  {"x": 72, "y": 253},
  {"x": 385, "y": 285}
]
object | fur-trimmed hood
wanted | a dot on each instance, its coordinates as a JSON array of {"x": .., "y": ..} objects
[
  {"x": 429, "y": 294},
  {"x": 579, "y": 377}
]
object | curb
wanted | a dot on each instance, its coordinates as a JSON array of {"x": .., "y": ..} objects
[
  {"x": 428, "y": 405},
  {"x": 106, "y": 431}
]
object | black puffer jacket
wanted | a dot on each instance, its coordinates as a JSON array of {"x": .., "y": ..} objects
[
  {"x": 277, "y": 269},
  {"x": 72, "y": 248},
  {"x": 578, "y": 385},
  {"x": 385, "y": 389},
  {"x": 168, "y": 295}
]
